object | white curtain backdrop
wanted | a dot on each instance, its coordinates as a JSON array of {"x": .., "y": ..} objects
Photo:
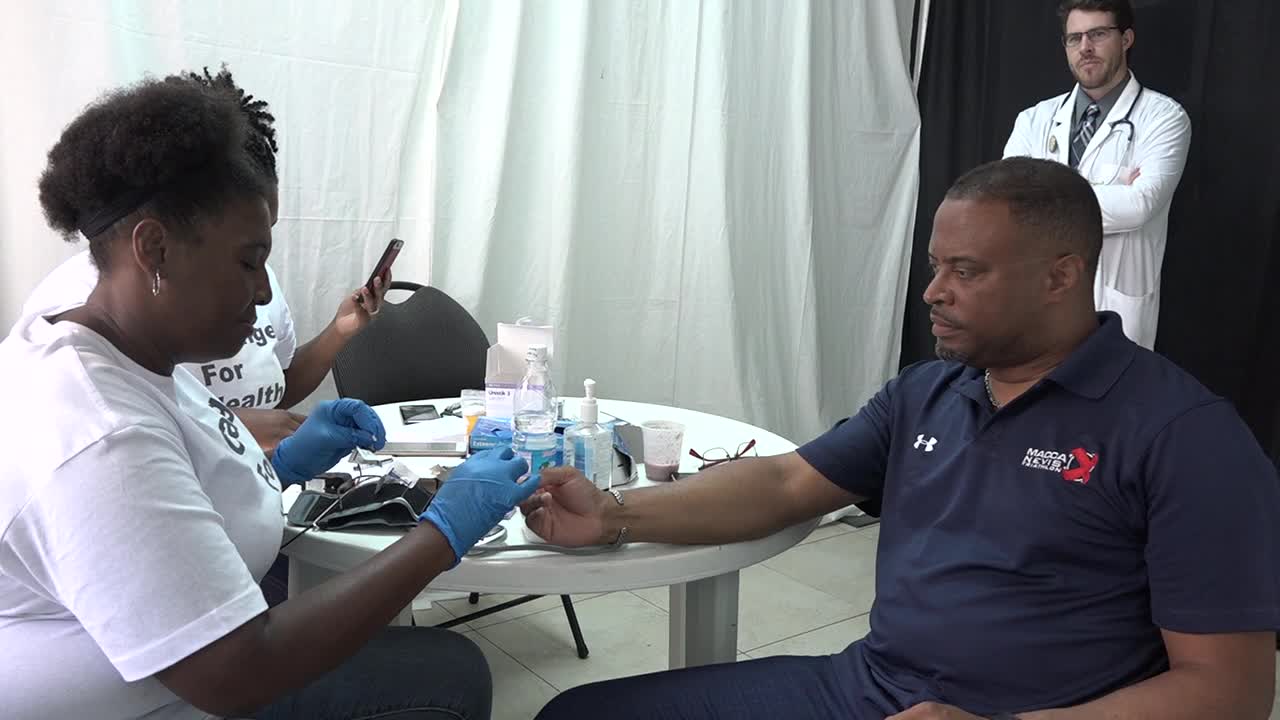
[
  {"x": 712, "y": 200},
  {"x": 342, "y": 78}
]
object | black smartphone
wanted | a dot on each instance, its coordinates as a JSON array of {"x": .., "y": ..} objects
[
  {"x": 384, "y": 263},
  {"x": 418, "y": 413}
]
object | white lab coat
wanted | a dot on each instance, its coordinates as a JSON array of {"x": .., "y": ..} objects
[{"x": 1135, "y": 218}]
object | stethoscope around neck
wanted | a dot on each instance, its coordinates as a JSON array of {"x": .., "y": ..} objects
[{"x": 1051, "y": 143}]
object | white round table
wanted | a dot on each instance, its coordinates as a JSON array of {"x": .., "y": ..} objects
[{"x": 703, "y": 578}]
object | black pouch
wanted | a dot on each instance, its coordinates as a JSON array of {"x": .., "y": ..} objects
[{"x": 391, "y": 505}]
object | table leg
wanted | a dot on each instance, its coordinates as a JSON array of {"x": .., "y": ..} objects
[
  {"x": 303, "y": 576},
  {"x": 704, "y": 621}
]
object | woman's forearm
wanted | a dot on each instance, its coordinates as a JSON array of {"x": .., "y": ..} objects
[
  {"x": 309, "y": 635},
  {"x": 310, "y": 364}
]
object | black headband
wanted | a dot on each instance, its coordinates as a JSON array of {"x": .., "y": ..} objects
[{"x": 93, "y": 224}]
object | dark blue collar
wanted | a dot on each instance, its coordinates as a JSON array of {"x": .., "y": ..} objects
[
  {"x": 1089, "y": 371},
  {"x": 1093, "y": 368}
]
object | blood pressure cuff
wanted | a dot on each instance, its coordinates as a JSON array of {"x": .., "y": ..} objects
[{"x": 393, "y": 505}]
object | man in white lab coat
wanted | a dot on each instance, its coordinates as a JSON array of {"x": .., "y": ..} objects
[{"x": 1129, "y": 141}]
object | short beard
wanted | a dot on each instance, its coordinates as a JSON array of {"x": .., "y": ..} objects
[
  {"x": 1112, "y": 74},
  {"x": 1006, "y": 353},
  {"x": 949, "y": 355}
]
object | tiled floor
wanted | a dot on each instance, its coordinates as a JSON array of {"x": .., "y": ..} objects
[
  {"x": 791, "y": 604},
  {"x": 797, "y": 603}
]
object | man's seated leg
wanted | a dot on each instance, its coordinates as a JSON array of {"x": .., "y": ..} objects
[{"x": 777, "y": 687}]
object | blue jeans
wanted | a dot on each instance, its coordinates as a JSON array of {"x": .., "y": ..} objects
[
  {"x": 403, "y": 673},
  {"x": 797, "y": 688}
]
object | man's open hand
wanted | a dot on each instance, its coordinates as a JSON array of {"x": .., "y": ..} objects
[{"x": 567, "y": 509}]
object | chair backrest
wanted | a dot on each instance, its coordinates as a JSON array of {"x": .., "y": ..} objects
[{"x": 426, "y": 347}]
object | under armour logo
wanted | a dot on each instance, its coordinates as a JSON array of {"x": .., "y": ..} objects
[{"x": 928, "y": 444}]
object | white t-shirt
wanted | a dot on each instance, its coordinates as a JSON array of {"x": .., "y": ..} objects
[
  {"x": 137, "y": 515},
  {"x": 253, "y": 378}
]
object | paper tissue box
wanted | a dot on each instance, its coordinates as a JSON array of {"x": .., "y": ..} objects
[{"x": 505, "y": 363}]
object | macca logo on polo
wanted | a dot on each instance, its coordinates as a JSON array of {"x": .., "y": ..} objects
[{"x": 1075, "y": 466}]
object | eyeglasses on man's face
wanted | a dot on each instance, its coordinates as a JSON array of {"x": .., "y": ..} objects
[{"x": 1095, "y": 35}]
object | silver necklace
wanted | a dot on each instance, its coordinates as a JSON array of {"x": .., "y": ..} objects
[{"x": 986, "y": 379}]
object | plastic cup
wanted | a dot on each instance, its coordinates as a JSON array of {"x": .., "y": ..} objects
[
  {"x": 663, "y": 443},
  {"x": 473, "y": 407}
]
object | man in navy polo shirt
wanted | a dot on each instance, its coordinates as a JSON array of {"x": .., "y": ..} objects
[{"x": 1072, "y": 526}]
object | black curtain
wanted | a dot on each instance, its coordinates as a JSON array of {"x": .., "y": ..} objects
[{"x": 986, "y": 60}]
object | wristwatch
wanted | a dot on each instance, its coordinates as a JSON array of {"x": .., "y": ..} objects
[{"x": 622, "y": 532}]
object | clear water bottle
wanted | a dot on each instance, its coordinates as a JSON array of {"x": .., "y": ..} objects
[{"x": 533, "y": 422}]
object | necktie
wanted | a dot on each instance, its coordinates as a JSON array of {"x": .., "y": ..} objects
[{"x": 1088, "y": 124}]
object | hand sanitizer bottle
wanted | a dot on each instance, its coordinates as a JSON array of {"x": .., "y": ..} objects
[{"x": 588, "y": 445}]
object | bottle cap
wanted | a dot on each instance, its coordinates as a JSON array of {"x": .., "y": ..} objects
[{"x": 589, "y": 410}]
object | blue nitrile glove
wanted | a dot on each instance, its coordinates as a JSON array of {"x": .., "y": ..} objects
[
  {"x": 330, "y": 432},
  {"x": 477, "y": 495}
]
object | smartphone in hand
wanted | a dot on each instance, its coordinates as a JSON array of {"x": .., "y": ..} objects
[{"x": 384, "y": 263}]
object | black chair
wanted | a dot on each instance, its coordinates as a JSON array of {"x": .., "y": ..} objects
[{"x": 428, "y": 346}]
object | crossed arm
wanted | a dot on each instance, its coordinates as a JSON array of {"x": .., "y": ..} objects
[{"x": 1160, "y": 155}]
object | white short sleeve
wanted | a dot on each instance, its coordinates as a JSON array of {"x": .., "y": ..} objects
[
  {"x": 66, "y": 287},
  {"x": 280, "y": 316},
  {"x": 125, "y": 538}
]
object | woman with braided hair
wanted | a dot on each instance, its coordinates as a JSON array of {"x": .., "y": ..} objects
[{"x": 271, "y": 373}]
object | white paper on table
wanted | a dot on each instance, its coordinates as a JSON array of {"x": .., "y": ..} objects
[
  {"x": 444, "y": 429},
  {"x": 289, "y": 497}
]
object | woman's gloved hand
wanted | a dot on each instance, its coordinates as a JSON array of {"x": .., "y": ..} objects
[
  {"x": 477, "y": 495},
  {"x": 332, "y": 430}
]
